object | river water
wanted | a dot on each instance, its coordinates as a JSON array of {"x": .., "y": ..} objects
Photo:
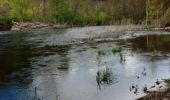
[{"x": 61, "y": 64}]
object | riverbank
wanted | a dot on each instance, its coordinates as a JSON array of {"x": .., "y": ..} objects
[
  {"x": 161, "y": 94},
  {"x": 36, "y": 25},
  {"x": 155, "y": 95}
]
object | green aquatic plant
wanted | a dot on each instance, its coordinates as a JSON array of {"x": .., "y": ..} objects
[
  {"x": 116, "y": 50},
  {"x": 105, "y": 76}
]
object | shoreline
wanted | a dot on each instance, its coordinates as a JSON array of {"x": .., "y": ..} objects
[
  {"x": 38, "y": 25},
  {"x": 35, "y": 25},
  {"x": 157, "y": 95}
]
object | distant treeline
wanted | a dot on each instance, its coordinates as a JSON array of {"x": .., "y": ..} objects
[{"x": 87, "y": 12}]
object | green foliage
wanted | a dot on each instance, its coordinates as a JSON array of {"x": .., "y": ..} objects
[
  {"x": 84, "y": 12},
  {"x": 62, "y": 13},
  {"x": 101, "y": 17},
  {"x": 21, "y": 10},
  {"x": 154, "y": 9},
  {"x": 166, "y": 18}
]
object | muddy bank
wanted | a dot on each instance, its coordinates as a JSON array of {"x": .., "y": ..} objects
[
  {"x": 155, "y": 95},
  {"x": 37, "y": 25}
]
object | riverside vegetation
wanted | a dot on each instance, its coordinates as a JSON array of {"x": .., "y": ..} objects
[{"x": 85, "y": 12}]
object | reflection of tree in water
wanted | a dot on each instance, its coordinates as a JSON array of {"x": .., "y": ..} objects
[
  {"x": 14, "y": 57},
  {"x": 122, "y": 58},
  {"x": 64, "y": 60},
  {"x": 148, "y": 43},
  {"x": 60, "y": 60},
  {"x": 60, "y": 53}
]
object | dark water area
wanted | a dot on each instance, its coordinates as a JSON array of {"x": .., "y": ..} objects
[{"x": 62, "y": 64}]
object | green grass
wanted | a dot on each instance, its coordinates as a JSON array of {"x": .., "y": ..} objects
[{"x": 116, "y": 50}]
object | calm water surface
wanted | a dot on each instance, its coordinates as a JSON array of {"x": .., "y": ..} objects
[{"x": 62, "y": 64}]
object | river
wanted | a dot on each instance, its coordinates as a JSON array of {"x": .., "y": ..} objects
[{"x": 61, "y": 64}]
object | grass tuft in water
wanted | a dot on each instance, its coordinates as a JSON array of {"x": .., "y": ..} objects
[
  {"x": 116, "y": 50},
  {"x": 105, "y": 76}
]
